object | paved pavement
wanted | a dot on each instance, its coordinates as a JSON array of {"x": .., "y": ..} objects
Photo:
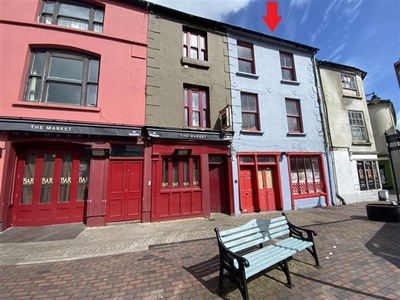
[{"x": 179, "y": 260}]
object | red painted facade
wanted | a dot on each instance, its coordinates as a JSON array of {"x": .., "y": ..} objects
[{"x": 46, "y": 145}]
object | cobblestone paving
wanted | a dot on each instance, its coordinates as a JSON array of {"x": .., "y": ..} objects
[{"x": 360, "y": 260}]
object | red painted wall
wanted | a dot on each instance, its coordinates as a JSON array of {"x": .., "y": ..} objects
[{"x": 121, "y": 46}]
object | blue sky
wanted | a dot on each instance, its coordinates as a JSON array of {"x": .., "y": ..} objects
[{"x": 360, "y": 33}]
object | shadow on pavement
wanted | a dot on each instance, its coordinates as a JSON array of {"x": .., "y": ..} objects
[
  {"x": 41, "y": 233},
  {"x": 341, "y": 287},
  {"x": 386, "y": 243}
]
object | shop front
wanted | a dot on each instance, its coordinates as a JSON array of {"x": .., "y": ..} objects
[
  {"x": 56, "y": 172},
  {"x": 191, "y": 173}
]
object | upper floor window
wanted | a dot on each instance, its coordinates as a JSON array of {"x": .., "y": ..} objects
[
  {"x": 250, "y": 120},
  {"x": 348, "y": 81},
  {"x": 245, "y": 57},
  {"x": 74, "y": 14},
  {"x": 293, "y": 115},
  {"x": 62, "y": 77},
  {"x": 195, "y": 107},
  {"x": 357, "y": 126},
  {"x": 194, "y": 44},
  {"x": 287, "y": 66}
]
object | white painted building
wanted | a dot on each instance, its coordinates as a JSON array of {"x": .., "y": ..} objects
[{"x": 349, "y": 133}]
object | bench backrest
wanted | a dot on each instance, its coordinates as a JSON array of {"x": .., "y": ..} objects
[{"x": 254, "y": 233}]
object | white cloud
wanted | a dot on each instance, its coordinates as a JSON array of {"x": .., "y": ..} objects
[
  {"x": 298, "y": 3},
  {"x": 211, "y": 9},
  {"x": 336, "y": 52}
]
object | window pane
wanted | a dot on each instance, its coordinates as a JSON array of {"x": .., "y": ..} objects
[
  {"x": 249, "y": 121},
  {"x": 47, "y": 178},
  {"x": 248, "y": 159},
  {"x": 74, "y": 11},
  {"x": 48, "y": 7},
  {"x": 244, "y": 52},
  {"x": 72, "y": 23},
  {"x": 293, "y": 168},
  {"x": 34, "y": 87},
  {"x": 92, "y": 95},
  {"x": 98, "y": 28},
  {"x": 165, "y": 173},
  {"x": 175, "y": 173},
  {"x": 93, "y": 71},
  {"x": 186, "y": 174},
  {"x": 193, "y": 40},
  {"x": 98, "y": 16},
  {"x": 83, "y": 179},
  {"x": 245, "y": 66},
  {"x": 186, "y": 111},
  {"x": 202, "y": 43},
  {"x": 47, "y": 19},
  {"x": 293, "y": 124},
  {"x": 185, "y": 97},
  {"x": 292, "y": 108},
  {"x": 193, "y": 53},
  {"x": 38, "y": 63},
  {"x": 195, "y": 100},
  {"x": 265, "y": 158},
  {"x": 286, "y": 61},
  {"x": 195, "y": 118},
  {"x": 66, "y": 68},
  {"x": 28, "y": 179},
  {"x": 196, "y": 178},
  {"x": 316, "y": 168},
  {"x": 260, "y": 178},
  {"x": 287, "y": 74},
  {"x": 63, "y": 93},
  {"x": 65, "y": 178}
]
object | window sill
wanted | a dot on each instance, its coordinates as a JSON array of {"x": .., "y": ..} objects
[
  {"x": 296, "y": 134},
  {"x": 292, "y": 82},
  {"x": 55, "y": 106},
  {"x": 195, "y": 62},
  {"x": 308, "y": 195},
  {"x": 248, "y": 75},
  {"x": 352, "y": 97},
  {"x": 361, "y": 143},
  {"x": 255, "y": 132}
]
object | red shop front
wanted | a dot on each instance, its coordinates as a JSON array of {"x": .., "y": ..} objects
[{"x": 191, "y": 174}]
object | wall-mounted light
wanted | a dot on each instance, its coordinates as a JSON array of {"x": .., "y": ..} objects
[{"x": 182, "y": 151}]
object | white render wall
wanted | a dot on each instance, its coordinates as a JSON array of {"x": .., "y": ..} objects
[{"x": 348, "y": 186}]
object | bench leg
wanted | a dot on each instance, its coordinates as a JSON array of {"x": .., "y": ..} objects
[
  {"x": 284, "y": 266},
  {"x": 221, "y": 288},
  {"x": 314, "y": 254}
]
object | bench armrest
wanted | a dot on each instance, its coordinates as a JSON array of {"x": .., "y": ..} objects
[
  {"x": 301, "y": 233},
  {"x": 228, "y": 256}
]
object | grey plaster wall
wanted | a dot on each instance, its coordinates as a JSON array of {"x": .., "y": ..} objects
[{"x": 168, "y": 71}]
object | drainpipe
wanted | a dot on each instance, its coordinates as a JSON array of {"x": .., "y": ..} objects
[{"x": 325, "y": 129}]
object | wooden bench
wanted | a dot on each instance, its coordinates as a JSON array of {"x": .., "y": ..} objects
[{"x": 252, "y": 248}]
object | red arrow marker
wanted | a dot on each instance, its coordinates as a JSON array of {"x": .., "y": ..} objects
[{"x": 272, "y": 19}]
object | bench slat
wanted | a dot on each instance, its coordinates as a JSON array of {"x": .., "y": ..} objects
[
  {"x": 293, "y": 243},
  {"x": 252, "y": 224}
]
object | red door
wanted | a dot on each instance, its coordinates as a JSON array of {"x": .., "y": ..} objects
[
  {"x": 246, "y": 190},
  {"x": 124, "y": 191},
  {"x": 51, "y": 187},
  {"x": 218, "y": 188},
  {"x": 266, "y": 188}
]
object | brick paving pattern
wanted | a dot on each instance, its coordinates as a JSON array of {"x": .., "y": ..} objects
[{"x": 360, "y": 260}]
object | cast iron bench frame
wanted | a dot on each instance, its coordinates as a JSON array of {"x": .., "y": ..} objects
[{"x": 243, "y": 252}]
